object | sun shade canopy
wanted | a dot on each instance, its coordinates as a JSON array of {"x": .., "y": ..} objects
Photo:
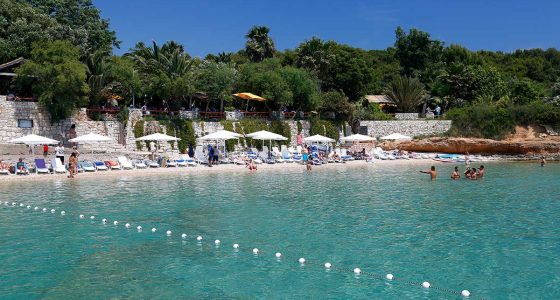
[{"x": 249, "y": 96}]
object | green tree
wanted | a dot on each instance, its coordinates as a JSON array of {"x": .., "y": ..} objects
[
  {"x": 407, "y": 93},
  {"x": 57, "y": 77},
  {"x": 335, "y": 101},
  {"x": 524, "y": 91},
  {"x": 259, "y": 45},
  {"x": 314, "y": 55},
  {"x": 304, "y": 88},
  {"x": 418, "y": 54},
  {"x": 216, "y": 80}
]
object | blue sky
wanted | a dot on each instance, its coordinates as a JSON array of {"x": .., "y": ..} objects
[{"x": 205, "y": 26}]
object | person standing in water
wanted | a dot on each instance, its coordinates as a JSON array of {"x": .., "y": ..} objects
[
  {"x": 432, "y": 172},
  {"x": 455, "y": 175},
  {"x": 543, "y": 161}
]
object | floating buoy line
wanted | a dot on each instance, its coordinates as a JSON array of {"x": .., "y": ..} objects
[{"x": 258, "y": 252}]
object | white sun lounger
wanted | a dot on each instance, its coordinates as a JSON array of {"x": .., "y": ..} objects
[
  {"x": 57, "y": 166},
  {"x": 125, "y": 163},
  {"x": 140, "y": 164}
]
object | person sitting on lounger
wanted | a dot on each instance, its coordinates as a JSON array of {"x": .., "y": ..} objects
[
  {"x": 455, "y": 175},
  {"x": 4, "y": 167},
  {"x": 20, "y": 167},
  {"x": 432, "y": 172}
]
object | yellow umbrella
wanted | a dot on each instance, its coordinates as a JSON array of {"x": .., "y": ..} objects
[{"x": 250, "y": 96}]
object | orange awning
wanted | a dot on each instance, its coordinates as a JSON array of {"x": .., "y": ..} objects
[{"x": 249, "y": 96}]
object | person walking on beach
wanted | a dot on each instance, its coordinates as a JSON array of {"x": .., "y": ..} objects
[
  {"x": 59, "y": 152},
  {"x": 45, "y": 151},
  {"x": 72, "y": 165},
  {"x": 153, "y": 149},
  {"x": 432, "y": 172},
  {"x": 191, "y": 151},
  {"x": 210, "y": 155},
  {"x": 455, "y": 175}
]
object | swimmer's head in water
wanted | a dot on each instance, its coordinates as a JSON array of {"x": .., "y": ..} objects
[
  {"x": 481, "y": 167},
  {"x": 456, "y": 168},
  {"x": 433, "y": 168}
]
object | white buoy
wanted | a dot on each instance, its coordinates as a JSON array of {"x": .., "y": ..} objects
[
  {"x": 5, "y": 202},
  {"x": 168, "y": 232},
  {"x": 92, "y": 218},
  {"x": 199, "y": 238},
  {"x": 184, "y": 236},
  {"x": 36, "y": 208},
  {"x": 103, "y": 221},
  {"x": 44, "y": 209},
  {"x": 127, "y": 225},
  {"x": 62, "y": 213},
  {"x": 235, "y": 246},
  {"x": 28, "y": 206},
  {"x": 82, "y": 216},
  {"x": 217, "y": 242},
  {"x": 328, "y": 265},
  {"x": 154, "y": 230},
  {"x": 465, "y": 293},
  {"x": 301, "y": 260},
  {"x": 256, "y": 251},
  {"x": 116, "y": 223},
  {"x": 357, "y": 271},
  {"x": 14, "y": 204},
  {"x": 53, "y": 211},
  {"x": 426, "y": 284},
  {"x": 21, "y": 205},
  {"x": 389, "y": 276},
  {"x": 278, "y": 254},
  {"x": 139, "y": 228}
]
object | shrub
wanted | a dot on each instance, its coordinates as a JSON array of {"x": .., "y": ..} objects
[
  {"x": 247, "y": 126},
  {"x": 230, "y": 144},
  {"x": 138, "y": 132},
  {"x": 281, "y": 128},
  {"x": 483, "y": 121},
  {"x": 170, "y": 129},
  {"x": 324, "y": 127}
]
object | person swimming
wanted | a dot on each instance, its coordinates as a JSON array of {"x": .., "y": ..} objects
[
  {"x": 480, "y": 173},
  {"x": 432, "y": 172},
  {"x": 455, "y": 175}
]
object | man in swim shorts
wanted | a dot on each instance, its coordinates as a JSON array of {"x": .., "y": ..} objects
[{"x": 432, "y": 172}]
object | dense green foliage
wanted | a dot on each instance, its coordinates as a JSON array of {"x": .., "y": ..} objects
[
  {"x": 494, "y": 121},
  {"x": 325, "y": 127},
  {"x": 24, "y": 22},
  {"x": 259, "y": 45},
  {"x": 281, "y": 128},
  {"x": 57, "y": 77},
  {"x": 139, "y": 132}
]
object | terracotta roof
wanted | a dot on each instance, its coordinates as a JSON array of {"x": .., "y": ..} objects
[{"x": 378, "y": 99}]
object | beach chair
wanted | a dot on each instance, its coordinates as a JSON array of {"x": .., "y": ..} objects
[
  {"x": 41, "y": 166},
  {"x": 152, "y": 164},
  {"x": 140, "y": 164},
  {"x": 180, "y": 161},
  {"x": 200, "y": 157},
  {"x": 57, "y": 166},
  {"x": 100, "y": 166},
  {"x": 286, "y": 156},
  {"x": 25, "y": 170},
  {"x": 112, "y": 165},
  {"x": 344, "y": 155},
  {"x": 190, "y": 161},
  {"x": 125, "y": 163},
  {"x": 88, "y": 166}
]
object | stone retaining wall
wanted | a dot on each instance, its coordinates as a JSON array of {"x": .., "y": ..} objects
[
  {"x": 411, "y": 127},
  {"x": 407, "y": 116}
]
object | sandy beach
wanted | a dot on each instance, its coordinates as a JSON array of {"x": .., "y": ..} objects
[{"x": 202, "y": 169}]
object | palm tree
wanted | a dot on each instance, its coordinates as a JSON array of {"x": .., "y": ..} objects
[
  {"x": 259, "y": 45},
  {"x": 97, "y": 70},
  {"x": 170, "y": 59},
  {"x": 407, "y": 93}
]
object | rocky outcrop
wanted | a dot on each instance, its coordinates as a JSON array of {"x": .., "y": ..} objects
[{"x": 477, "y": 146}]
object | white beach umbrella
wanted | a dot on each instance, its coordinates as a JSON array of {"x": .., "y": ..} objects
[
  {"x": 158, "y": 137},
  {"x": 220, "y": 135},
  {"x": 357, "y": 138},
  {"x": 33, "y": 139},
  {"x": 267, "y": 136},
  {"x": 318, "y": 139},
  {"x": 91, "y": 138},
  {"x": 396, "y": 137}
]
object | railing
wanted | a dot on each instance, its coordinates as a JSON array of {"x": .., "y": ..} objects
[
  {"x": 201, "y": 114},
  {"x": 21, "y": 99}
]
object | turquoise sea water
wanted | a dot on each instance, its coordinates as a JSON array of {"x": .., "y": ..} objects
[{"x": 498, "y": 237}]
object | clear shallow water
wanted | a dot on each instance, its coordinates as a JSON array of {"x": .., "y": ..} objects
[{"x": 498, "y": 237}]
